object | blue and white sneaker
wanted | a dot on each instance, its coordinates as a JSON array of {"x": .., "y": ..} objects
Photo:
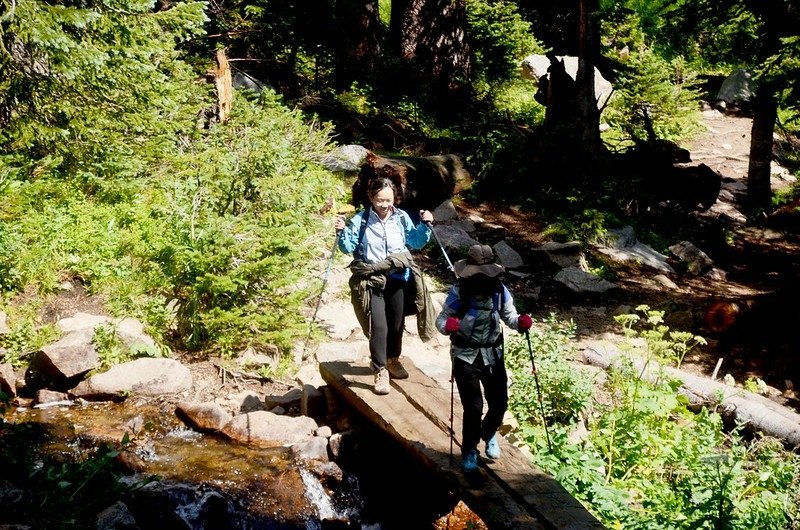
[
  {"x": 469, "y": 461},
  {"x": 493, "y": 447}
]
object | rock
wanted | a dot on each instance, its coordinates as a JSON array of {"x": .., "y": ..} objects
[
  {"x": 4, "y": 329},
  {"x": 565, "y": 254},
  {"x": 453, "y": 238},
  {"x": 461, "y": 518},
  {"x": 621, "y": 245},
  {"x": 8, "y": 380},
  {"x": 347, "y": 158},
  {"x": 324, "y": 432},
  {"x": 446, "y": 211},
  {"x": 312, "y": 403},
  {"x": 203, "y": 416},
  {"x": 49, "y": 396},
  {"x": 265, "y": 428},
  {"x": 146, "y": 377},
  {"x": 535, "y": 66},
  {"x": 314, "y": 449},
  {"x": 326, "y": 471},
  {"x": 116, "y": 517},
  {"x": 582, "y": 281},
  {"x": 507, "y": 256},
  {"x": 309, "y": 375},
  {"x": 288, "y": 400},
  {"x": 697, "y": 261},
  {"x": 62, "y": 364}
]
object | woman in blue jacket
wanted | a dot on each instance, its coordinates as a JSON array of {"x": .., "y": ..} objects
[{"x": 372, "y": 235}]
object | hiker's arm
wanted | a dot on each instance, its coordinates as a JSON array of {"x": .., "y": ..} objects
[
  {"x": 416, "y": 236},
  {"x": 348, "y": 237},
  {"x": 449, "y": 309},
  {"x": 508, "y": 313}
]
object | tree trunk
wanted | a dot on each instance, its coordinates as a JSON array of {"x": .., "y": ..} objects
[
  {"x": 432, "y": 34},
  {"x": 765, "y": 112},
  {"x": 359, "y": 36},
  {"x": 588, "y": 45}
]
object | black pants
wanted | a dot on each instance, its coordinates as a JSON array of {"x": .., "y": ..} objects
[
  {"x": 387, "y": 323},
  {"x": 469, "y": 378}
]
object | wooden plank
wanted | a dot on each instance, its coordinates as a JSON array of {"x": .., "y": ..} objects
[
  {"x": 430, "y": 399},
  {"x": 430, "y": 444},
  {"x": 542, "y": 494}
]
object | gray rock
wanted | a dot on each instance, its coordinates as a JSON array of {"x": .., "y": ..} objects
[
  {"x": 266, "y": 428},
  {"x": 507, "y": 256},
  {"x": 568, "y": 254},
  {"x": 737, "y": 88},
  {"x": 536, "y": 65},
  {"x": 203, "y": 416},
  {"x": 312, "y": 403},
  {"x": 8, "y": 380},
  {"x": 145, "y": 377},
  {"x": 347, "y": 158},
  {"x": 453, "y": 238},
  {"x": 315, "y": 448},
  {"x": 582, "y": 281},
  {"x": 61, "y": 364},
  {"x": 289, "y": 399},
  {"x": 446, "y": 211},
  {"x": 116, "y": 517},
  {"x": 4, "y": 329},
  {"x": 697, "y": 261}
]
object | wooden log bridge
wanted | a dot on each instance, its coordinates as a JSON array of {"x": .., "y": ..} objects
[{"x": 510, "y": 493}]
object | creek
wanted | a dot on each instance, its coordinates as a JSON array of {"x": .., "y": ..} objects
[{"x": 205, "y": 481}]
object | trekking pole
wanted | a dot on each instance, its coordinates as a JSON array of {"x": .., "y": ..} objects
[
  {"x": 538, "y": 390},
  {"x": 441, "y": 247},
  {"x": 322, "y": 290},
  {"x": 452, "y": 361},
  {"x": 452, "y": 392}
]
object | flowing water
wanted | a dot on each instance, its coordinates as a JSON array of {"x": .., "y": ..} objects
[
  {"x": 270, "y": 487},
  {"x": 382, "y": 488}
]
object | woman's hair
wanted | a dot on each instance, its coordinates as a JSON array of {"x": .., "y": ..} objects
[{"x": 379, "y": 184}]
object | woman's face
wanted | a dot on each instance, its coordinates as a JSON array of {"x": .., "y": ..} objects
[{"x": 383, "y": 201}]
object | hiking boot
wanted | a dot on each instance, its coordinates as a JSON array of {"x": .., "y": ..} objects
[
  {"x": 469, "y": 461},
  {"x": 493, "y": 447},
  {"x": 381, "y": 382},
  {"x": 396, "y": 369}
]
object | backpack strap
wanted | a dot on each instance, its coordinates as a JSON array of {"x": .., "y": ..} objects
[{"x": 361, "y": 231}]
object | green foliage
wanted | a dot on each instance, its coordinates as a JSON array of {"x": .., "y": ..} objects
[
  {"x": 111, "y": 350},
  {"x": 648, "y": 462},
  {"x": 26, "y": 335},
  {"x": 590, "y": 224},
  {"x": 91, "y": 91},
  {"x": 660, "y": 344},
  {"x": 565, "y": 393},
  {"x": 59, "y": 494},
  {"x": 499, "y": 39},
  {"x": 662, "y": 88}
]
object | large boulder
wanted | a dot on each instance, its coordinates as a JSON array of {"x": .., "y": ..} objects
[
  {"x": 268, "y": 429},
  {"x": 536, "y": 66}
]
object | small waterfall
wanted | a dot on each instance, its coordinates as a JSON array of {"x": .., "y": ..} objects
[{"x": 319, "y": 498}]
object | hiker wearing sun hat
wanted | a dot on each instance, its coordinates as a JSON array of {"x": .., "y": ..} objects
[{"x": 471, "y": 316}]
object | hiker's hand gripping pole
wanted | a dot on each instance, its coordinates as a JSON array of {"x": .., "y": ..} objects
[{"x": 538, "y": 390}]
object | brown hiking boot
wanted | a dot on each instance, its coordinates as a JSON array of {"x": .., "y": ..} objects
[
  {"x": 381, "y": 382},
  {"x": 396, "y": 369}
]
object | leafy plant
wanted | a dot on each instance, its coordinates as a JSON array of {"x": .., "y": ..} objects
[{"x": 648, "y": 462}]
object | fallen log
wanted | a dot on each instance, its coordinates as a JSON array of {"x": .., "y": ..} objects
[
  {"x": 423, "y": 182},
  {"x": 736, "y": 405}
]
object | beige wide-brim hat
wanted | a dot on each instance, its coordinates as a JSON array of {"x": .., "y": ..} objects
[{"x": 480, "y": 260}]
